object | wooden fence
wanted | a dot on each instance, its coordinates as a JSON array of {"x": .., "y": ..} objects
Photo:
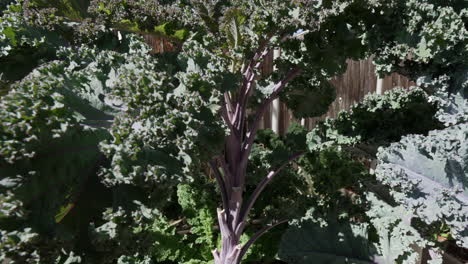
[{"x": 351, "y": 87}]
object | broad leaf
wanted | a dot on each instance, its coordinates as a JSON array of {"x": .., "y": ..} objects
[
  {"x": 429, "y": 176},
  {"x": 332, "y": 242}
]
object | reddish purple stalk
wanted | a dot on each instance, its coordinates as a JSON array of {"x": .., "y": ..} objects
[{"x": 230, "y": 168}]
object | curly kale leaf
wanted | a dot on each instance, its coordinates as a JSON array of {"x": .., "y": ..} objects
[
  {"x": 310, "y": 97},
  {"x": 328, "y": 241},
  {"x": 428, "y": 175},
  {"x": 418, "y": 38},
  {"x": 397, "y": 239},
  {"x": 450, "y": 92},
  {"x": 161, "y": 17},
  {"x": 269, "y": 152},
  {"x": 336, "y": 181},
  {"x": 72, "y": 9},
  {"x": 52, "y": 122},
  {"x": 47, "y": 157},
  {"x": 378, "y": 120},
  {"x": 198, "y": 206},
  {"x": 180, "y": 231},
  {"x": 22, "y": 44},
  {"x": 385, "y": 238},
  {"x": 139, "y": 231},
  {"x": 170, "y": 125}
]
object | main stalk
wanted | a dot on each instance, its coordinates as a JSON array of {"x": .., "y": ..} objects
[{"x": 230, "y": 167}]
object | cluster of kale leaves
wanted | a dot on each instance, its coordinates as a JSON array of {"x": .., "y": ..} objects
[{"x": 80, "y": 104}]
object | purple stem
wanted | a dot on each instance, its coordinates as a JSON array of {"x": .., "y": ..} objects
[
  {"x": 249, "y": 77},
  {"x": 256, "y": 236},
  {"x": 258, "y": 190},
  {"x": 261, "y": 111},
  {"x": 222, "y": 186},
  {"x": 227, "y": 120},
  {"x": 234, "y": 161}
]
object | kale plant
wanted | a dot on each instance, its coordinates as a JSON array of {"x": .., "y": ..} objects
[
  {"x": 416, "y": 139},
  {"x": 146, "y": 137}
]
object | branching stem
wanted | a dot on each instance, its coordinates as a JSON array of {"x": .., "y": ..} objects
[
  {"x": 233, "y": 162},
  {"x": 258, "y": 190},
  {"x": 256, "y": 236}
]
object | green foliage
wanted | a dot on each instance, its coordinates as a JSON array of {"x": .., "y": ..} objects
[
  {"x": 127, "y": 233},
  {"x": 332, "y": 241},
  {"x": 425, "y": 174},
  {"x": 32, "y": 32},
  {"x": 109, "y": 112},
  {"x": 198, "y": 206},
  {"x": 417, "y": 183},
  {"x": 4, "y": 4},
  {"x": 72, "y": 9},
  {"x": 450, "y": 93},
  {"x": 67, "y": 115},
  {"x": 168, "y": 29},
  {"x": 287, "y": 194},
  {"x": 428, "y": 176},
  {"x": 23, "y": 45},
  {"x": 335, "y": 166},
  {"x": 386, "y": 237},
  {"x": 51, "y": 125},
  {"x": 138, "y": 16},
  {"x": 377, "y": 121},
  {"x": 168, "y": 128},
  {"x": 419, "y": 189},
  {"x": 335, "y": 179},
  {"x": 310, "y": 97},
  {"x": 397, "y": 239},
  {"x": 407, "y": 198},
  {"x": 37, "y": 124},
  {"x": 431, "y": 37}
]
